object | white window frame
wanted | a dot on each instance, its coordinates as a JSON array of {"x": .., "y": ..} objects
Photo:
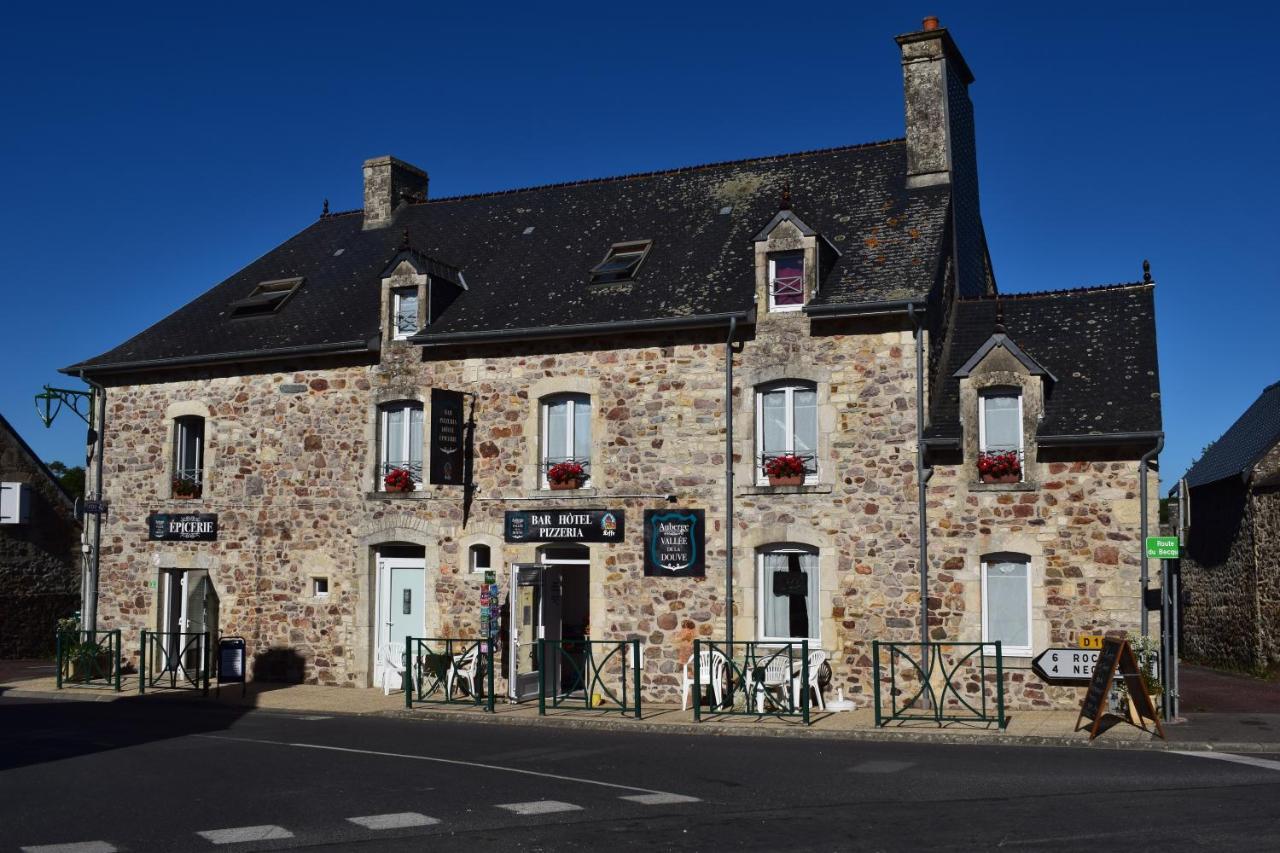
[
  {"x": 789, "y": 387},
  {"x": 473, "y": 552},
  {"x": 406, "y": 426},
  {"x": 397, "y": 293},
  {"x": 763, "y": 590},
  {"x": 804, "y": 273},
  {"x": 573, "y": 399},
  {"x": 316, "y": 580},
  {"x": 1008, "y": 651},
  {"x": 182, "y": 434},
  {"x": 982, "y": 424}
]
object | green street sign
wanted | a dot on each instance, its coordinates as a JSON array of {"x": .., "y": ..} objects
[{"x": 1163, "y": 547}]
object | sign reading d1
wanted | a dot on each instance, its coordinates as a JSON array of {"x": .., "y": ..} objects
[
  {"x": 448, "y": 443},
  {"x": 675, "y": 543},
  {"x": 1162, "y": 547}
]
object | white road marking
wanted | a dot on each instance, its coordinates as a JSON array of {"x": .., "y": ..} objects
[
  {"x": 451, "y": 761},
  {"x": 881, "y": 766},
  {"x": 1264, "y": 763},
  {"x": 241, "y": 834},
  {"x": 541, "y": 807},
  {"x": 403, "y": 820},
  {"x": 77, "y": 847},
  {"x": 659, "y": 799}
]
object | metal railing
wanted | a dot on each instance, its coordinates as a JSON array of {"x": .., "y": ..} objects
[
  {"x": 939, "y": 682},
  {"x": 550, "y": 462},
  {"x": 413, "y": 468},
  {"x": 188, "y": 482},
  {"x": 757, "y": 679},
  {"x": 175, "y": 660},
  {"x": 88, "y": 659},
  {"x": 810, "y": 461},
  {"x": 602, "y": 674},
  {"x": 435, "y": 668}
]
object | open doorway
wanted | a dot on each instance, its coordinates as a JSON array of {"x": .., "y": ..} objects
[
  {"x": 188, "y": 612},
  {"x": 550, "y": 600}
]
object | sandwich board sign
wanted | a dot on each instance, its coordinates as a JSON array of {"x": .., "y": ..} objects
[{"x": 1116, "y": 654}]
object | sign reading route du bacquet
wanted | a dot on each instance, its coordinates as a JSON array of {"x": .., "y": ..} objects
[
  {"x": 565, "y": 525},
  {"x": 675, "y": 543},
  {"x": 165, "y": 527}
]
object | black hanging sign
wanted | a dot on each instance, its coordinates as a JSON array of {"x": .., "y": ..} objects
[
  {"x": 675, "y": 543},
  {"x": 790, "y": 584},
  {"x": 565, "y": 525},
  {"x": 166, "y": 527},
  {"x": 448, "y": 447}
]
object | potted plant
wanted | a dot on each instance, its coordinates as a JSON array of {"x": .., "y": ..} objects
[
  {"x": 999, "y": 466},
  {"x": 398, "y": 480},
  {"x": 566, "y": 475},
  {"x": 186, "y": 487},
  {"x": 785, "y": 470}
]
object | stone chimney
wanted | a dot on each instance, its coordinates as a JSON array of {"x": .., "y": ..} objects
[
  {"x": 936, "y": 82},
  {"x": 941, "y": 148},
  {"x": 388, "y": 183}
]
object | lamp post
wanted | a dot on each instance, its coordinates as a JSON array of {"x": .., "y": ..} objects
[{"x": 49, "y": 403}]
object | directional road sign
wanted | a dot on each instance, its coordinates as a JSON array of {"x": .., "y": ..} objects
[
  {"x": 1162, "y": 547},
  {"x": 1065, "y": 666}
]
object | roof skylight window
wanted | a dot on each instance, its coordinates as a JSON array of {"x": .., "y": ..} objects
[
  {"x": 266, "y": 298},
  {"x": 622, "y": 261}
]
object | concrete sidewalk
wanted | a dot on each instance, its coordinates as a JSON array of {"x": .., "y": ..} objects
[{"x": 1233, "y": 733}]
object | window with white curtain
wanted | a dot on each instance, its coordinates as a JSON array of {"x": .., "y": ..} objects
[
  {"x": 400, "y": 441},
  {"x": 788, "y": 594},
  {"x": 1000, "y": 421},
  {"x": 1006, "y": 603},
  {"x": 566, "y": 433},
  {"x": 787, "y": 424},
  {"x": 404, "y": 312},
  {"x": 188, "y": 456}
]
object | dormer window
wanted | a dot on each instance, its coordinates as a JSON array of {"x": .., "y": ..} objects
[
  {"x": 1000, "y": 458},
  {"x": 621, "y": 263},
  {"x": 404, "y": 312},
  {"x": 266, "y": 298},
  {"x": 786, "y": 281}
]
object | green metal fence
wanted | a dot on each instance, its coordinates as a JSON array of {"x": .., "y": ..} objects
[
  {"x": 88, "y": 659},
  {"x": 755, "y": 679},
  {"x": 448, "y": 671},
  {"x": 174, "y": 660},
  {"x": 939, "y": 682},
  {"x": 599, "y": 674}
]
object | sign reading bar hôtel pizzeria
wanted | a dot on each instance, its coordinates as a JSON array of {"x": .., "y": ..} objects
[
  {"x": 565, "y": 525},
  {"x": 166, "y": 527}
]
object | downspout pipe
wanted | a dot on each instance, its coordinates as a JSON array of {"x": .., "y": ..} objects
[
  {"x": 728, "y": 485},
  {"x": 89, "y": 595},
  {"x": 1142, "y": 546},
  {"x": 923, "y": 475}
]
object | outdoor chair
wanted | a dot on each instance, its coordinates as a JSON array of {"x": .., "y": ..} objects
[
  {"x": 466, "y": 668},
  {"x": 391, "y": 659},
  {"x": 711, "y": 666},
  {"x": 763, "y": 679},
  {"x": 816, "y": 660}
]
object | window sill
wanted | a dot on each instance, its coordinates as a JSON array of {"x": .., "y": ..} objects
[
  {"x": 766, "y": 489},
  {"x": 1026, "y": 486},
  {"x": 565, "y": 494},
  {"x": 419, "y": 495}
]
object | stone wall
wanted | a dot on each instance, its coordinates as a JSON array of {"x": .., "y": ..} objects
[
  {"x": 39, "y": 561},
  {"x": 294, "y": 487}
]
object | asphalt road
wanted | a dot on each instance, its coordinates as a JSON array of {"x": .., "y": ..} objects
[{"x": 142, "y": 776}]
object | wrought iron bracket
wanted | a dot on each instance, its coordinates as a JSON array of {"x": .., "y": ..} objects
[{"x": 50, "y": 401}]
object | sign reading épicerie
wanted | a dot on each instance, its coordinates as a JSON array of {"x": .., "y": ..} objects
[
  {"x": 448, "y": 450},
  {"x": 565, "y": 525},
  {"x": 167, "y": 527},
  {"x": 675, "y": 543}
]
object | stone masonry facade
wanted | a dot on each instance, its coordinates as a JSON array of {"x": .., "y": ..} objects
[{"x": 290, "y": 471}]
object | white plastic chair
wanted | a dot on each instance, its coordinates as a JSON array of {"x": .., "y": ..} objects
[
  {"x": 391, "y": 659},
  {"x": 466, "y": 667},
  {"x": 816, "y": 660},
  {"x": 711, "y": 664},
  {"x": 775, "y": 672}
]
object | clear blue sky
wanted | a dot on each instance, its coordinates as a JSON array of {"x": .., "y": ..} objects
[{"x": 149, "y": 154}]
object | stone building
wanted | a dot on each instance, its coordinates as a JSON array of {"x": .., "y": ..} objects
[
  {"x": 1229, "y": 519},
  {"x": 848, "y": 292},
  {"x": 39, "y": 550}
]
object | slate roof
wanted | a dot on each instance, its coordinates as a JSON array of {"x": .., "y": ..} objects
[
  {"x": 701, "y": 262},
  {"x": 1099, "y": 344},
  {"x": 1243, "y": 444}
]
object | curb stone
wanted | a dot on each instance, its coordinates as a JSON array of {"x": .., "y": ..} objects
[{"x": 631, "y": 725}]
